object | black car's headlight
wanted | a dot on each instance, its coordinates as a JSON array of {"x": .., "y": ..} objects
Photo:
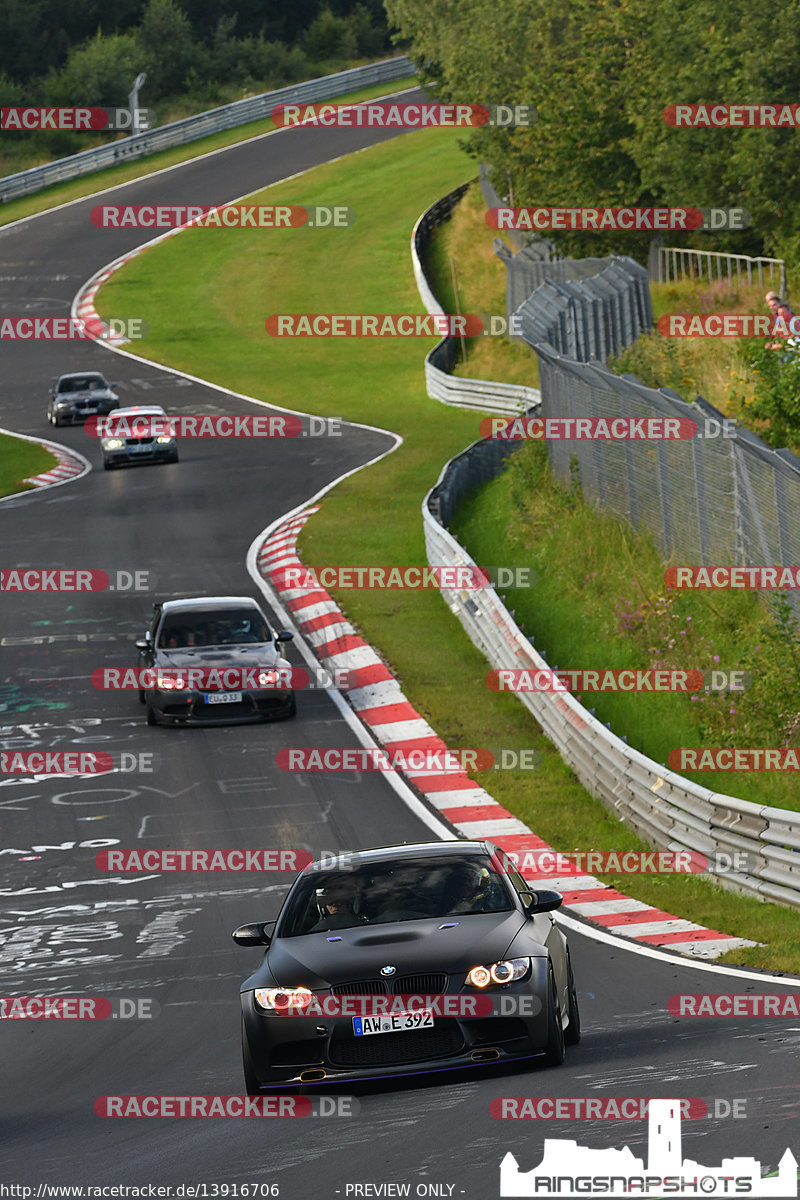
[
  {"x": 506, "y": 971},
  {"x": 282, "y": 999}
]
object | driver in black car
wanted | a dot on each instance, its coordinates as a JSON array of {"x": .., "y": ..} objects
[
  {"x": 472, "y": 889},
  {"x": 336, "y": 903}
]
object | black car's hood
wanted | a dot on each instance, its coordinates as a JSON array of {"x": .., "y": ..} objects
[
  {"x": 409, "y": 946},
  {"x": 86, "y": 394},
  {"x": 261, "y": 654}
]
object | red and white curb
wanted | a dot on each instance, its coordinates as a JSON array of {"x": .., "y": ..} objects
[
  {"x": 379, "y": 701},
  {"x": 71, "y": 465}
]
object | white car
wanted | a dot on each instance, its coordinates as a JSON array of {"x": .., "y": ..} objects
[{"x": 154, "y": 441}]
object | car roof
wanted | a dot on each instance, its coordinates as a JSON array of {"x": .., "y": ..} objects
[
  {"x": 82, "y": 375},
  {"x": 407, "y": 850},
  {"x": 210, "y": 602},
  {"x": 139, "y": 410}
]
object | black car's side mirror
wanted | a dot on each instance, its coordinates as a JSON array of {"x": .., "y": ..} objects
[
  {"x": 254, "y": 934},
  {"x": 285, "y": 635},
  {"x": 541, "y": 902}
]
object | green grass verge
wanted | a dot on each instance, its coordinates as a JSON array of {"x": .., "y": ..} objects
[
  {"x": 19, "y": 460},
  {"x": 206, "y": 302},
  {"x": 87, "y": 185}
]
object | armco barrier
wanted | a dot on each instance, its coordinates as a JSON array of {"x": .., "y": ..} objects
[
  {"x": 254, "y": 108},
  {"x": 668, "y": 811},
  {"x": 481, "y": 394}
]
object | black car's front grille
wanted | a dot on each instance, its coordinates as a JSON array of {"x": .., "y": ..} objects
[
  {"x": 393, "y": 1049},
  {"x": 362, "y": 987},
  {"x": 421, "y": 985},
  {"x": 306, "y": 1053}
]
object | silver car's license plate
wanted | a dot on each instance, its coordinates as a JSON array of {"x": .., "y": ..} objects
[{"x": 397, "y": 1023}]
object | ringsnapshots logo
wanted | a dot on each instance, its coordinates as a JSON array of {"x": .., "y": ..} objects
[
  {"x": 228, "y": 216},
  {"x": 403, "y": 115},
  {"x": 570, "y": 1170},
  {"x": 78, "y": 120}
]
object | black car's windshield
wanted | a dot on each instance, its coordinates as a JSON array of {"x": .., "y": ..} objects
[
  {"x": 203, "y": 627},
  {"x": 83, "y": 383},
  {"x": 407, "y": 890}
]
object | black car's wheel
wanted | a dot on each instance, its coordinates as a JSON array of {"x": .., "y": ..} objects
[
  {"x": 554, "y": 1051},
  {"x": 149, "y": 713},
  {"x": 141, "y": 695},
  {"x": 250, "y": 1077},
  {"x": 292, "y": 709},
  {"x": 572, "y": 1034}
]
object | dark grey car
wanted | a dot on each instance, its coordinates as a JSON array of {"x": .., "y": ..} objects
[
  {"x": 82, "y": 394},
  {"x": 197, "y": 639}
]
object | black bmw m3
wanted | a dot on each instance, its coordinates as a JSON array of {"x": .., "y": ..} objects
[{"x": 403, "y": 960}]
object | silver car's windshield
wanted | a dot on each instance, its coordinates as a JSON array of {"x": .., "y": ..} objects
[{"x": 231, "y": 627}]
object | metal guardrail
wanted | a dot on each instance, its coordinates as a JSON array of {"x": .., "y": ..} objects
[
  {"x": 668, "y": 811},
  {"x": 667, "y": 264},
  {"x": 480, "y": 394},
  {"x": 253, "y": 108}
]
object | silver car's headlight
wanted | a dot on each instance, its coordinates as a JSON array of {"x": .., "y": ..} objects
[
  {"x": 506, "y": 971},
  {"x": 113, "y": 444}
]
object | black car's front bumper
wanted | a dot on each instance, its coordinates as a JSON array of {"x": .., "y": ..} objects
[
  {"x": 78, "y": 414},
  {"x": 181, "y": 707},
  {"x": 313, "y": 1049}
]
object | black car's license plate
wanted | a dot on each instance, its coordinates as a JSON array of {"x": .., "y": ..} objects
[{"x": 396, "y": 1023}]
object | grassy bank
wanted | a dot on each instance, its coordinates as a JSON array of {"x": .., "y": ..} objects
[{"x": 18, "y": 461}]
